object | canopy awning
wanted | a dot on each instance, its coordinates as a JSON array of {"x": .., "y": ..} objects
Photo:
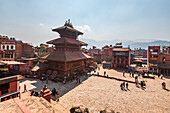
[
  {"x": 12, "y": 62},
  {"x": 36, "y": 68}
]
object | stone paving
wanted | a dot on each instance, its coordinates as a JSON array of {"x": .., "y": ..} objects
[{"x": 98, "y": 93}]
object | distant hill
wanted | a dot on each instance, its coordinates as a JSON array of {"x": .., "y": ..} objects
[{"x": 133, "y": 44}]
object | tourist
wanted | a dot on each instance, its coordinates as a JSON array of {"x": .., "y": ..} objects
[
  {"x": 121, "y": 86},
  {"x": 64, "y": 81},
  {"x": 133, "y": 74},
  {"x": 42, "y": 78},
  {"x": 136, "y": 80},
  {"x": 104, "y": 73},
  {"x": 142, "y": 84},
  {"x": 129, "y": 74},
  {"x": 57, "y": 96},
  {"x": 79, "y": 79},
  {"x": 138, "y": 74},
  {"x": 161, "y": 76},
  {"x": 124, "y": 84},
  {"x": 25, "y": 88},
  {"x": 143, "y": 74},
  {"x": 54, "y": 91},
  {"x": 19, "y": 95},
  {"x": 32, "y": 92},
  {"x": 124, "y": 73},
  {"x": 163, "y": 85},
  {"x": 127, "y": 86}
]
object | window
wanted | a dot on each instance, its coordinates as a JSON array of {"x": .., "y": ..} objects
[
  {"x": 12, "y": 47},
  {"x": 4, "y": 88},
  {"x": 3, "y": 47},
  {"x": 7, "y": 47}
]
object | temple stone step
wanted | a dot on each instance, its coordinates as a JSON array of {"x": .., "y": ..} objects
[
  {"x": 35, "y": 106},
  {"x": 40, "y": 105}
]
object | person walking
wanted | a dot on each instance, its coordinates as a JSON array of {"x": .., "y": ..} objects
[
  {"x": 136, "y": 80},
  {"x": 133, "y": 74},
  {"x": 129, "y": 74},
  {"x": 127, "y": 86},
  {"x": 104, "y": 73},
  {"x": 25, "y": 88},
  {"x": 79, "y": 79},
  {"x": 163, "y": 85},
  {"x": 124, "y": 84},
  {"x": 57, "y": 96},
  {"x": 142, "y": 84},
  {"x": 32, "y": 92},
  {"x": 19, "y": 95},
  {"x": 121, "y": 86},
  {"x": 124, "y": 73}
]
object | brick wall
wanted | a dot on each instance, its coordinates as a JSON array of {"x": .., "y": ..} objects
[{"x": 12, "y": 87}]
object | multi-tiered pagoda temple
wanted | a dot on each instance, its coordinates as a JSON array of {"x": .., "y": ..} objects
[{"x": 67, "y": 57}]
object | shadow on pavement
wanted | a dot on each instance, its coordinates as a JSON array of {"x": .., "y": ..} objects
[
  {"x": 115, "y": 78},
  {"x": 60, "y": 87}
]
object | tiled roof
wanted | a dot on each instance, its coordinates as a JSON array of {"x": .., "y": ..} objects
[
  {"x": 66, "y": 56},
  {"x": 120, "y": 49},
  {"x": 66, "y": 28},
  {"x": 7, "y": 40},
  {"x": 67, "y": 40}
]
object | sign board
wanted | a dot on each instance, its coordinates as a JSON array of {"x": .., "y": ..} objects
[
  {"x": 154, "y": 58},
  {"x": 119, "y": 43}
]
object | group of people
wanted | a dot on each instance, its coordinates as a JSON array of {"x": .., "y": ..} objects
[
  {"x": 124, "y": 86},
  {"x": 55, "y": 93}
]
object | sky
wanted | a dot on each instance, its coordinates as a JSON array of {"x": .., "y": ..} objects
[{"x": 32, "y": 20}]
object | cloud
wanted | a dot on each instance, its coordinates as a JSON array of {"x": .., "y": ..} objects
[
  {"x": 84, "y": 28},
  {"x": 41, "y": 24}
]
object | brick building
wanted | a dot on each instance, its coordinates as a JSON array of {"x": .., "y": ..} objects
[
  {"x": 121, "y": 57},
  {"x": 14, "y": 49},
  {"x": 107, "y": 53},
  {"x": 9, "y": 80},
  {"x": 158, "y": 60},
  {"x": 96, "y": 54}
]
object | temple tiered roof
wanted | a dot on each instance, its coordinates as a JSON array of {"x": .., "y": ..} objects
[
  {"x": 67, "y": 56},
  {"x": 67, "y": 30},
  {"x": 67, "y": 41}
]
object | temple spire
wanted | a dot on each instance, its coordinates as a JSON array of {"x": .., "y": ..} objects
[{"x": 68, "y": 23}]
